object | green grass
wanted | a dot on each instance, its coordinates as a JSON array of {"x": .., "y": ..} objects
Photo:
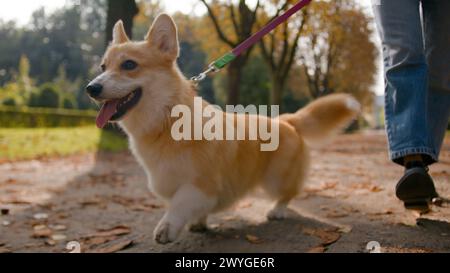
[{"x": 22, "y": 144}]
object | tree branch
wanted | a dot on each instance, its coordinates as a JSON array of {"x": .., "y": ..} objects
[
  {"x": 255, "y": 13},
  {"x": 221, "y": 34},
  {"x": 285, "y": 49},
  {"x": 233, "y": 19},
  {"x": 295, "y": 46}
]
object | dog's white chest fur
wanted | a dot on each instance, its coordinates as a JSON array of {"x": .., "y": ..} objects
[{"x": 165, "y": 173}]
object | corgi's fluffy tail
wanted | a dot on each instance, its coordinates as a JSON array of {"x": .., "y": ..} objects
[{"x": 318, "y": 122}]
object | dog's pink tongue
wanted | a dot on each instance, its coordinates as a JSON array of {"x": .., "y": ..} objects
[{"x": 106, "y": 113}]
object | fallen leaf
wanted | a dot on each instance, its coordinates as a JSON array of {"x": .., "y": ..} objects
[
  {"x": 16, "y": 201},
  {"x": 113, "y": 247},
  {"x": 42, "y": 231},
  {"x": 385, "y": 212},
  {"x": 214, "y": 226},
  {"x": 321, "y": 187},
  {"x": 91, "y": 202},
  {"x": 244, "y": 205},
  {"x": 329, "y": 185},
  {"x": 58, "y": 237},
  {"x": 62, "y": 215},
  {"x": 116, "y": 231},
  {"x": 144, "y": 207},
  {"x": 351, "y": 210},
  {"x": 58, "y": 227},
  {"x": 95, "y": 241},
  {"x": 229, "y": 218},
  {"x": 11, "y": 181},
  {"x": 376, "y": 189},
  {"x": 345, "y": 229},
  {"x": 318, "y": 249},
  {"x": 40, "y": 216},
  {"x": 328, "y": 236},
  {"x": 366, "y": 186},
  {"x": 253, "y": 239},
  {"x": 4, "y": 250},
  {"x": 135, "y": 204},
  {"x": 50, "y": 242},
  {"x": 335, "y": 214},
  {"x": 405, "y": 250}
]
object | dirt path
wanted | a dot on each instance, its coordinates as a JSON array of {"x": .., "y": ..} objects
[{"x": 103, "y": 203}]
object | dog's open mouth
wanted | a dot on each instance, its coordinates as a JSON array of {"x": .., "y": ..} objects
[{"x": 114, "y": 110}]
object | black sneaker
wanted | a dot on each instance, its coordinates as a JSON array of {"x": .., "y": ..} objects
[{"x": 416, "y": 188}]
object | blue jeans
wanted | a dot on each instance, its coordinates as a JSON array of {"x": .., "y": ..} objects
[{"x": 416, "y": 52}]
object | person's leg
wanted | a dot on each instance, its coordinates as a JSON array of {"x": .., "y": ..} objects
[
  {"x": 400, "y": 28},
  {"x": 406, "y": 72},
  {"x": 436, "y": 18}
]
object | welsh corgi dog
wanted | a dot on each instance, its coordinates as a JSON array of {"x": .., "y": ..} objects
[{"x": 139, "y": 87}]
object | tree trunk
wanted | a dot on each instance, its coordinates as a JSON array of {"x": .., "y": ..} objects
[
  {"x": 124, "y": 10},
  {"x": 234, "y": 82},
  {"x": 276, "y": 93}
]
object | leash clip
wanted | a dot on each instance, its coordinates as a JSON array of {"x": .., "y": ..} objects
[{"x": 211, "y": 69}]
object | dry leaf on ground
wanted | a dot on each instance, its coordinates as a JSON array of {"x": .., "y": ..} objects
[
  {"x": 366, "y": 186},
  {"x": 40, "y": 216},
  {"x": 336, "y": 214},
  {"x": 95, "y": 241},
  {"x": 42, "y": 231},
  {"x": 4, "y": 250},
  {"x": 244, "y": 205},
  {"x": 116, "y": 231},
  {"x": 253, "y": 239},
  {"x": 321, "y": 187},
  {"x": 318, "y": 249},
  {"x": 58, "y": 237},
  {"x": 113, "y": 246},
  {"x": 405, "y": 250},
  {"x": 135, "y": 204},
  {"x": 328, "y": 236}
]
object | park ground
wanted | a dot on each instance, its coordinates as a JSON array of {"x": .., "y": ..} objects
[{"x": 102, "y": 202}]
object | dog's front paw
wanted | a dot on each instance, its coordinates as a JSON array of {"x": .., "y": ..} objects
[
  {"x": 165, "y": 233},
  {"x": 279, "y": 214}
]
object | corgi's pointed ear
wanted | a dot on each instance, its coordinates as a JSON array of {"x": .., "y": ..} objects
[
  {"x": 119, "y": 34},
  {"x": 163, "y": 36}
]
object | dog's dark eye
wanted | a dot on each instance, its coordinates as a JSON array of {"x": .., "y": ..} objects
[
  {"x": 103, "y": 67},
  {"x": 129, "y": 65}
]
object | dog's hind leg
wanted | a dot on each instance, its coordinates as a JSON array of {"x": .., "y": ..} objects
[
  {"x": 281, "y": 211},
  {"x": 285, "y": 185},
  {"x": 187, "y": 204}
]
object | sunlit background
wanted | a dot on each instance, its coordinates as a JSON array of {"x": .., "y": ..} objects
[
  {"x": 50, "y": 49},
  {"x": 65, "y": 182}
]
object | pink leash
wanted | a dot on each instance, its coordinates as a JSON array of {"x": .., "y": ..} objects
[{"x": 255, "y": 38}]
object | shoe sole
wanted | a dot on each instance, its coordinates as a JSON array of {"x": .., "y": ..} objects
[{"x": 416, "y": 190}]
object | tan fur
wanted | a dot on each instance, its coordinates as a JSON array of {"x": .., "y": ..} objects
[
  {"x": 324, "y": 118},
  {"x": 197, "y": 178}
]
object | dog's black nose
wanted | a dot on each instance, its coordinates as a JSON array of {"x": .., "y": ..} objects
[{"x": 94, "y": 90}]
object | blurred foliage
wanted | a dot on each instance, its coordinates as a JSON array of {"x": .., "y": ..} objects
[
  {"x": 48, "y": 96},
  {"x": 337, "y": 51},
  {"x": 25, "y": 117},
  {"x": 47, "y": 62},
  {"x": 62, "y": 47},
  {"x": 22, "y": 144}
]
